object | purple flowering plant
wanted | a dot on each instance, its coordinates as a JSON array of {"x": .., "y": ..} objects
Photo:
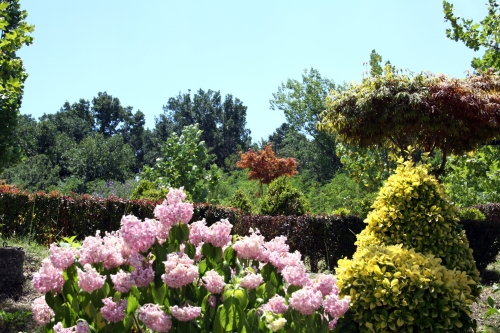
[{"x": 165, "y": 275}]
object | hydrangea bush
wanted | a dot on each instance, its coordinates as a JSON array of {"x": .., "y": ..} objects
[{"x": 163, "y": 275}]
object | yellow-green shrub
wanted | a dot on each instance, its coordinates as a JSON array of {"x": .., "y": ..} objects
[
  {"x": 394, "y": 289},
  {"x": 412, "y": 209}
]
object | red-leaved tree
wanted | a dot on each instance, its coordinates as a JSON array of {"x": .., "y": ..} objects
[{"x": 264, "y": 166}]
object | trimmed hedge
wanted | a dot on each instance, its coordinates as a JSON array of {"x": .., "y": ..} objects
[{"x": 50, "y": 216}]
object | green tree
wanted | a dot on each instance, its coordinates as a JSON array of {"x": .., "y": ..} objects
[
  {"x": 302, "y": 102},
  {"x": 108, "y": 113},
  {"x": 485, "y": 34},
  {"x": 15, "y": 32},
  {"x": 185, "y": 163},
  {"x": 223, "y": 123},
  {"x": 429, "y": 112}
]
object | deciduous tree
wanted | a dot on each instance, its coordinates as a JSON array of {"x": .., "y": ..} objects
[
  {"x": 264, "y": 166},
  {"x": 14, "y": 33}
]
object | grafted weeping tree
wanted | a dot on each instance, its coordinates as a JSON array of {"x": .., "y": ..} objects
[{"x": 426, "y": 111}]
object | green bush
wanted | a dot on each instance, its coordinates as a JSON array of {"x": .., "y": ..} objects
[
  {"x": 149, "y": 190},
  {"x": 395, "y": 289},
  {"x": 471, "y": 213},
  {"x": 283, "y": 199},
  {"x": 411, "y": 212},
  {"x": 240, "y": 200}
]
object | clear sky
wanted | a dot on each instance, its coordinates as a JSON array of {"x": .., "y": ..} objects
[{"x": 144, "y": 52}]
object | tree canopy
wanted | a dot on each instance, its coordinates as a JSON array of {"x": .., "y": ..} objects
[
  {"x": 15, "y": 32},
  {"x": 485, "y": 34},
  {"x": 429, "y": 112}
]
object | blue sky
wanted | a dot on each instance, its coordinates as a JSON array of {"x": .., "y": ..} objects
[{"x": 146, "y": 52}]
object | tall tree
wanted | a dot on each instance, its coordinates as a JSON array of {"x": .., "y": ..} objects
[
  {"x": 223, "y": 123},
  {"x": 108, "y": 113},
  {"x": 426, "y": 111},
  {"x": 15, "y": 32},
  {"x": 485, "y": 34},
  {"x": 302, "y": 102}
]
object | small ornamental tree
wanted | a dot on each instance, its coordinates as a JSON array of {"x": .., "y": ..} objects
[
  {"x": 265, "y": 166},
  {"x": 429, "y": 112}
]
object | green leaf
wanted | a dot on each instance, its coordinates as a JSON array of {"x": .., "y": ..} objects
[
  {"x": 229, "y": 315},
  {"x": 132, "y": 304},
  {"x": 491, "y": 303},
  {"x": 159, "y": 293}
]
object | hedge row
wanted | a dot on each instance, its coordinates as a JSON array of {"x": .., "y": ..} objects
[{"x": 49, "y": 216}]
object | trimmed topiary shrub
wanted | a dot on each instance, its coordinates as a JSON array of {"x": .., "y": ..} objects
[
  {"x": 241, "y": 201},
  {"x": 394, "y": 289},
  {"x": 434, "y": 259},
  {"x": 283, "y": 199}
]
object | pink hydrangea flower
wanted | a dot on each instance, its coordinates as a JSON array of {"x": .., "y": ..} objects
[
  {"x": 185, "y": 313},
  {"x": 122, "y": 281},
  {"x": 91, "y": 250},
  {"x": 219, "y": 233},
  {"x": 139, "y": 236},
  {"x": 213, "y": 282},
  {"x": 197, "y": 232},
  {"x": 250, "y": 247},
  {"x": 42, "y": 313},
  {"x": 89, "y": 280},
  {"x": 325, "y": 283},
  {"x": 212, "y": 301},
  {"x": 174, "y": 210},
  {"x": 306, "y": 300},
  {"x": 336, "y": 307},
  {"x": 143, "y": 276},
  {"x": 277, "y": 244},
  {"x": 80, "y": 327},
  {"x": 48, "y": 278},
  {"x": 112, "y": 250},
  {"x": 282, "y": 259},
  {"x": 276, "y": 305},
  {"x": 179, "y": 270},
  {"x": 296, "y": 275},
  {"x": 136, "y": 260},
  {"x": 114, "y": 311},
  {"x": 155, "y": 318},
  {"x": 251, "y": 281},
  {"x": 332, "y": 324},
  {"x": 61, "y": 257}
]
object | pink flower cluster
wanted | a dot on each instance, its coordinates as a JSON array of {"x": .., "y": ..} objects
[
  {"x": 80, "y": 327},
  {"x": 89, "y": 279},
  {"x": 109, "y": 250},
  {"x": 179, "y": 270},
  {"x": 335, "y": 306},
  {"x": 218, "y": 234},
  {"x": 296, "y": 275},
  {"x": 122, "y": 281},
  {"x": 185, "y": 313},
  {"x": 174, "y": 210},
  {"x": 42, "y": 313},
  {"x": 306, "y": 300},
  {"x": 155, "y": 318},
  {"x": 251, "y": 281},
  {"x": 326, "y": 284},
  {"x": 276, "y": 305},
  {"x": 114, "y": 311},
  {"x": 61, "y": 257},
  {"x": 138, "y": 235},
  {"x": 48, "y": 278},
  {"x": 213, "y": 282}
]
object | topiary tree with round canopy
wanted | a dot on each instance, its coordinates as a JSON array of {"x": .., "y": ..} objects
[{"x": 430, "y": 112}]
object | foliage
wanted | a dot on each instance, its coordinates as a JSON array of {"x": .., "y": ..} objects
[
  {"x": 484, "y": 34},
  {"x": 396, "y": 289},
  {"x": 474, "y": 178},
  {"x": 13, "y": 319},
  {"x": 185, "y": 161},
  {"x": 149, "y": 190},
  {"x": 429, "y": 112},
  {"x": 102, "y": 189},
  {"x": 411, "y": 221},
  {"x": 241, "y": 201},
  {"x": 265, "y": 166},
  {"x": 471, "y": 213},
  {"x": 222, "y": 121},
  {"x": 15, "y": 32},
  {"x": 204, "y": 290},
  {"x": 302, "y": 102},
  {"x": 283, "y": 199}
]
